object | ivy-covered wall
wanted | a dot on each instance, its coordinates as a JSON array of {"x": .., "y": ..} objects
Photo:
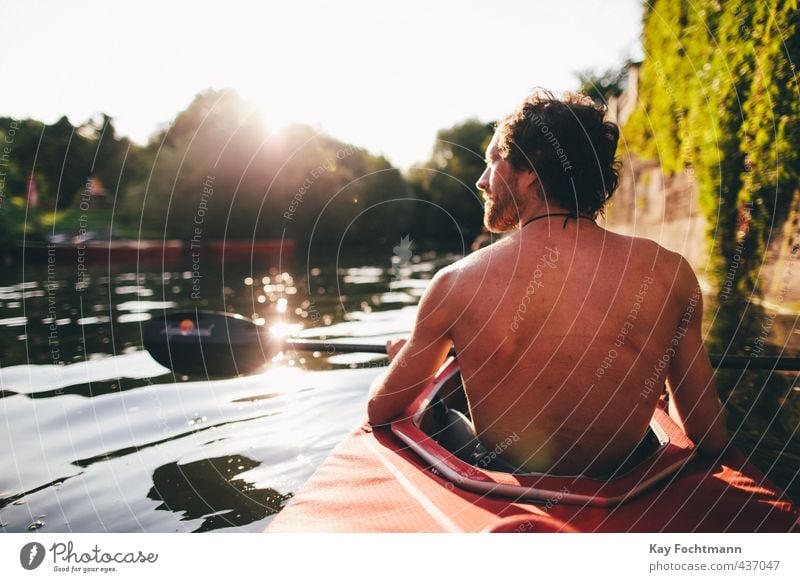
[{"x": 719, "y": 99}]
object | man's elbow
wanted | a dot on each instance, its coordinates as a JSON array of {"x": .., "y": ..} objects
[
  {"x": 377, "y": 413},
  {"x": 713, "y": 443}
]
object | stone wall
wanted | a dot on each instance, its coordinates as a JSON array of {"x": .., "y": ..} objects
[{"x": 665, "y": 208}]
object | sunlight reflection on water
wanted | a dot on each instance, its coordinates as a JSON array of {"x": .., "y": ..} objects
[{"x": 118, "y": 443}]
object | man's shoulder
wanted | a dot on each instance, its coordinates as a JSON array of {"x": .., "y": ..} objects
[
  {"x": 468, "y": 265},
  {"x": 449, "y": 278},
  {"x": 676, "y": 274},
  {"x": 672, "y": 268},
  {"x": 480, "y": 259},
  {"x": 463, "y": 274},
  {"x": 660, "y": 255}
]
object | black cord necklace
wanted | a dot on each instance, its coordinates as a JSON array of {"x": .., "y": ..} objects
[{"x": 568, "y": 215}]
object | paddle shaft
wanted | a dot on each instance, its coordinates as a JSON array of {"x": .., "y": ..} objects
[
  {"x": 717, "y": 360},
  {"x": 223, "y": 344},
  {"x": 334, "y": 347},
  {"x": 775, "y": 363}
]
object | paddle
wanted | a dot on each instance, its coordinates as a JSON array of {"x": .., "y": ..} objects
[{"x": 221, "y": 344}]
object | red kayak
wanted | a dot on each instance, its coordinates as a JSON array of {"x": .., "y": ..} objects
[{"x": 398, "y": 478}]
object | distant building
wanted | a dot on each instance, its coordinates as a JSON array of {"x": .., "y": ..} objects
[{"x": 620, "y": 108}]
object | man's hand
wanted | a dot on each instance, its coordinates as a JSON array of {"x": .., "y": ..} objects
[{"x": 393, "y": 347}]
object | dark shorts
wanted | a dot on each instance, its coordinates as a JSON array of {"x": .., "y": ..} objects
[{"x": 457, "y": 435}]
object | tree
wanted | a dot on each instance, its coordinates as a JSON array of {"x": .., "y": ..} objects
[
  {"x": 297, "y": 183},
  {"x": 601, "y": 86},
  {"x": 451, "y": 208}
]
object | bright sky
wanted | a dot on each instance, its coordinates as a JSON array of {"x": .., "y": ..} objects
[{"x": 385, "y": 76}]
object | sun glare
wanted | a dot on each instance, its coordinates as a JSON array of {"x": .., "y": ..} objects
[{"x": 383, "y": 80}]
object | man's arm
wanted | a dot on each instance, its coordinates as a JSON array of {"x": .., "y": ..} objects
[
  {"x": 418, "y": 360},
  {"x": 694, "y": 403}
]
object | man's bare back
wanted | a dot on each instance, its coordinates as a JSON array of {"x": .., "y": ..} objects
[
  {"x": 565, "y": 332},
  {"x": 556, "y": 333}
]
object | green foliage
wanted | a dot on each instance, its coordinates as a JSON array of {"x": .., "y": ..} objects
[
  {"x": 61, "y": 157},
  {"x": 602, "y": 86},
  {"x": 216, "y": 174},
  {"x": 718, "y": 98},
  {"x": 450, "y": 208}
]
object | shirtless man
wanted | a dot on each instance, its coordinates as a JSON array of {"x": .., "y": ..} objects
[{"x": 565, "y": 332}]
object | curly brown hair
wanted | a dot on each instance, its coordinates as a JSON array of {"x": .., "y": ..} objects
[{"x": 569, "y": 145}]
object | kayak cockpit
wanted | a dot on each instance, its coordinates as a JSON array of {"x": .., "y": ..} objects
[{"x": 436, "y": 427}]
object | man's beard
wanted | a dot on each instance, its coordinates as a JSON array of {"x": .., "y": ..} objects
[{"x": 501, "y": 213}]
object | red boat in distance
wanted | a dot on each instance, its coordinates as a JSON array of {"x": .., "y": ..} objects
[
  {"x": 168, "y": 254},
  {"x": 97, "y": 253}
]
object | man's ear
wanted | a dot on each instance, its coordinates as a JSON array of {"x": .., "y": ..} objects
[{"x": 529, "y": 179}]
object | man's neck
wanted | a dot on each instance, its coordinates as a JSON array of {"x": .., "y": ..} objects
[{"x": 540, "y": 207}]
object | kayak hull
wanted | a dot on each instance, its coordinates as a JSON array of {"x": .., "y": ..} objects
[{"x": 375, "y": 482}]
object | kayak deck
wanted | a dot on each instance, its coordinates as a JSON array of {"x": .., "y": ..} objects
[{"x": 375, "y": 482}]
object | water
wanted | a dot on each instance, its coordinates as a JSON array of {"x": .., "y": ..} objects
[
  {"x": 98, "y": 437},
  {"x": 95, "y": 441}
]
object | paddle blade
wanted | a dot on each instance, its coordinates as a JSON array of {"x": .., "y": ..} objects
[{"x": 207, "y": 343}]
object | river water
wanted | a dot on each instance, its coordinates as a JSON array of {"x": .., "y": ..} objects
[{"x": 99, "y": 437}]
